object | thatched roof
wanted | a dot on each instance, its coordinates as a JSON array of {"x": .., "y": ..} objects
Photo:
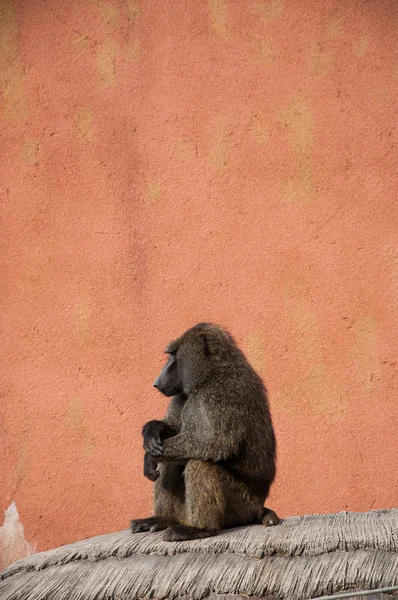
[{"x": 303, "y": 557}]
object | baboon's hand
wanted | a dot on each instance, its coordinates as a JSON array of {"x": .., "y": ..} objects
[
  {"x": 150, "y": 464},
  {"x": 154, "y": 446},
  {"x": 152, "y": 437}
]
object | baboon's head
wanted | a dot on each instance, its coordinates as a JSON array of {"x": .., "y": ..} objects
[
  {"x": 169, "y": 382},
  {"x": 192, "y": 357}
]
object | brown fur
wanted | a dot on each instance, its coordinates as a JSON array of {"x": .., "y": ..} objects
[{"x": 213, "y": 455}]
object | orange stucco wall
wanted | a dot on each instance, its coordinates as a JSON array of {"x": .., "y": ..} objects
[{"x": 170, "y": 161}]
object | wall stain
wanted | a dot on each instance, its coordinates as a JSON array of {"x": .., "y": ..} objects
[
  {"x": 30, "y": 151},
  {"x": 255, "y": 351},
  {"x": 334, "y": 29},
  {"x": 81, "y": 318},
  {"x": 84, "y": 123},
  {"x": 218, "y": 18},
  {"x": 269, "y": 11},
  {"x": 360, "y": 46},
  {"x": 219, "y": 142},
  {"x": 74, "y": 420},
  {"x": 80, "y": 42},
  {"x": 106, "y": 63},
  {"x": 109, "y": 14},
  {"x": 133, "y": 9},
  {"x": 297, "y": 120},
  {"x": 133, "y": 51},
  {"x": 302, "y": 314},
  {"x": 322, "y": 52},
  {"x": 264, "y": 49},
  {"x": 315, "y": 388},
  {"x": 22, "y": 457},
  {"x": 183, "y": 149},
  {"x": 321, "y": 59},
  {"x": 390, "y": 259},
  {"x": 153, "y": 191},
  {"x": 88, "y": 446},
  {"x": 74, "y": 415},
  {"x": 12, "y": 73},
  {"x": 37, "y": 261},
  {"x": 366, "y": 354},
  {"x": 258, "y": 130}
]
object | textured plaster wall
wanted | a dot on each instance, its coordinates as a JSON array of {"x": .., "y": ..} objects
[{"x": 165, "y": 162}]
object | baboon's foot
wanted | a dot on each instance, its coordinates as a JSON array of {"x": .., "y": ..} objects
[
  {"x": 270, "y": 518},
  {"x": 149, "y": 524},
  {"x": 179, "y": 533}
]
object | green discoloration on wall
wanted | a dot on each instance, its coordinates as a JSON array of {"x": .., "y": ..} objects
[
  {"x": 30, "y": 152},
  {"x": 264, "y": 49},
  {"x": 321, "y": 59},
  {"x": 80, "y": 41},
  {"x": 81, "y": 316},
  {"x": 106, "y": 63},
  {"x": 84, "y": 123},
  {"x": 334, "y": 29},
  {"x": 298, "y": 121},
  {"x": 366, "y": 354},
  {"x": 220, "y": 137},
  {"x": 259, "y": 130},
  {"x": 153, "y": 191},
  {"x": 76, "y": 422},
  {"x": 218, "y": 17},
  {"x": 361, "y": 46},
  {"x": 133, "y": 9},
  {"x": 13, "y": 103},
  {"x": 74, "y": 415},
  {"x": 269, "y": 11},
  {"x": 256, "y": 351},
  {"x": 184, "y": 149},
  {"x": 315, "y": 387},
  {"x": 22, "y": 457},
  {"x": 314, "y": 392},
  {"x": 109, "y": 14},
  {"x": 133, "y": 51}
]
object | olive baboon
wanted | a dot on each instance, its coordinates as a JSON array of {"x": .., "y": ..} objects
[{"x": 213, "y": 455}]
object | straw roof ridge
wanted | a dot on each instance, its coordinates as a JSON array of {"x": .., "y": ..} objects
[
  {"x": 198, "y": 577},
  {"x": 308, "y": 535},
  {"x": 302, "y": 557}
]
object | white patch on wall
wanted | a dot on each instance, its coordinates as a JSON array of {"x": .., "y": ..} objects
[{"x": 13, "y": 545}]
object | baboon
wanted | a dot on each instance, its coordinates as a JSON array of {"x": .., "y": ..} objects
[{"x": 212, "y": 457}]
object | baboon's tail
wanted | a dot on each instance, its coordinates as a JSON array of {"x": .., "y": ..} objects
[{"x": 269, "y": 517}]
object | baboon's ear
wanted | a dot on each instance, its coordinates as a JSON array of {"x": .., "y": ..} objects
[{"x": 192, "y": 362}]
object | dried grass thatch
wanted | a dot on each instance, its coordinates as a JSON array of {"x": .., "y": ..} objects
[{"x": 304, "y": 557}]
